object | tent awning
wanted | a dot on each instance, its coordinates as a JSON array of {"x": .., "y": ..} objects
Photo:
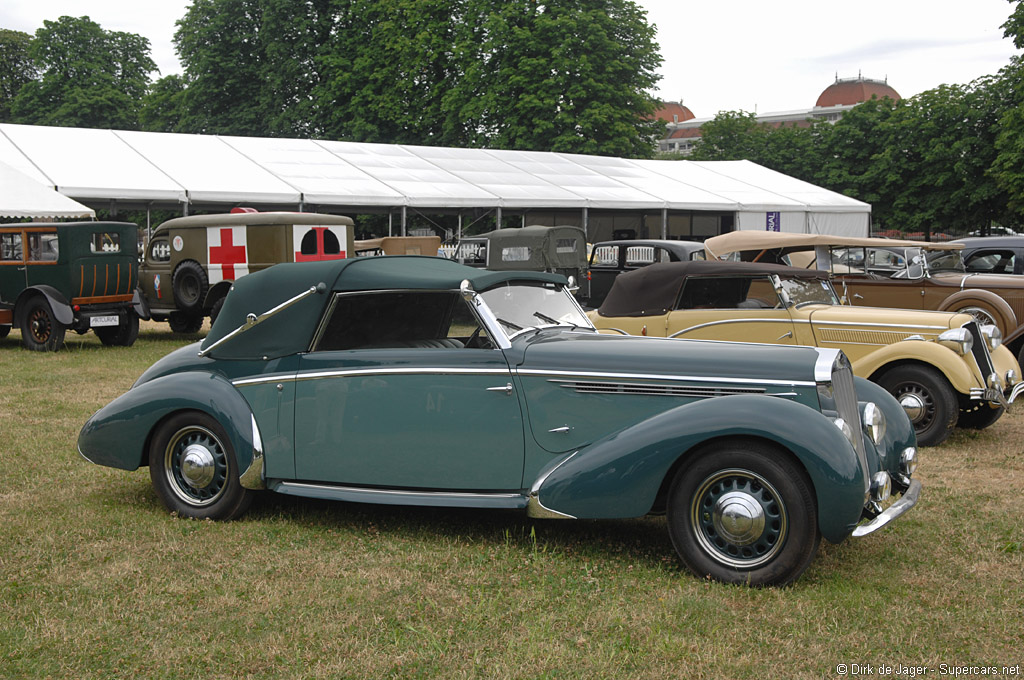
[{"x": 22, "y": 196}]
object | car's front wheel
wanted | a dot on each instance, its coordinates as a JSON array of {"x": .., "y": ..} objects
[
  {"x": 193, "y": 468},
  {"x": 927, "y": 398},
  {"x": 744, "y": 513}
]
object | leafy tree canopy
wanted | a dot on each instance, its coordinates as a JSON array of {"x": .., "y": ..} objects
[
  {"x": 16, "y": 67},
  {"x": 90, "y": 77}
]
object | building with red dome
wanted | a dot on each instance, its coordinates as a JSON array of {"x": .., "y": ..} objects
[{"x": 835, "y": 100}]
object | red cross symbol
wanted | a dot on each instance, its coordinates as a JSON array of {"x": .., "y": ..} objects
[{"x": 227, "y": 254}]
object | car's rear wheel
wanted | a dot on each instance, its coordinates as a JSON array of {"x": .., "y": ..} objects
[
  {"x": 123, "y": 334},
  {"x": 927, "y": 398},
  {"x": 181, "y": 322},
  {"x": 40, "y": 330},
  {"x": 979, "y": 417},
  {"x": 193, "y": 468},
  {"x": 744, "y": 513}
]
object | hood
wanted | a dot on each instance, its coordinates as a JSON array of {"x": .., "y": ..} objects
[
  {"x": 912, "y": 321},
  {"x": 562, "y": 351}
]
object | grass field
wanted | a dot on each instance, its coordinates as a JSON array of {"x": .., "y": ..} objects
[{"x": 97, "y": 580}]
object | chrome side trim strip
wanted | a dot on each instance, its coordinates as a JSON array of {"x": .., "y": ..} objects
[
  {"x": 399, "y": 497},
  {"x": 646, "y": 376},
  {"x": 252, "y": 478},
  {"x": 648, "y": 389},
  {"x": 906, "y": 502},
  {"x": 340, "y": 373}
]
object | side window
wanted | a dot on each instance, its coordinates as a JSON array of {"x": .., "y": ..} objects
[
  {"x": 713, "y": 293},
  {"x": 515, "y": 254},
  {"x": 605, "y": 256},
  {"x": 991, "y": 261},
  {"x": 42, "y": 247},
  {"x": 160, "y": 250},
  {"x": 638, "y": 256},
  {"x": 398, "y": 320},
  {"x": 105, "y": 242},
  {"x": 10, "y": 247}
]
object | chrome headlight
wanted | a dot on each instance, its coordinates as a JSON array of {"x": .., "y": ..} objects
[
  {"x": 993, "y": 336},
  {"x": 881, "y": 486},
  {"x": 1011, "y": 377},
  {"x": 874, "y": 422},
  {"x": 959, "y": 340},
  {"x": 908, "y": 461},
  {"x": 845, "y": 428}
]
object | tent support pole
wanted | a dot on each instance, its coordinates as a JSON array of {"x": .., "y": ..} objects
[
  {"x": 664, "y": 223},
  {"x": 585, "y": 218},
  {"x": 497, "y": 217},
  {"x": 405, "y": 217}
]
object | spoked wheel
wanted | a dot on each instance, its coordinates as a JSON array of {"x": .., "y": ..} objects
[
  {"x": 182, "y": 322},
  {"x": 193, "y": 468},
  {"x": 981, "y": 315},
  {"x": 744, "y": 514},
  {"x": 40, "y": 330},
  {"x": 927, "y": 398}
]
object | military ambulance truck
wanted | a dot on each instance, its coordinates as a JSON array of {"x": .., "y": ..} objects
[{"x": 191, "y": 262}]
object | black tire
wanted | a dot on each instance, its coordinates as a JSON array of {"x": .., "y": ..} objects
[
  {"x": 928, "y": 399},
  {"x": 40, "y": 330},
  {"x": 185, "y": 323},
  {"x": 124, "y": 334},
  {"x": 193, "y": 468},
  {"x": 744, "y": 513},
  {"x": 190, "y": 285},
  {"x": 979, "y": 417},
  {"x": 4, "y": 331},
  {"x": 215, "y": 310}
]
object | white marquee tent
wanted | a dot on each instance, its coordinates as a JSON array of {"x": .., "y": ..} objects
[
  {"x": 22, "y": 196},
  {"x": 204, "y": 172}
]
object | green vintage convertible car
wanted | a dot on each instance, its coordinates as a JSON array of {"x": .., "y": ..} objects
[{"x": 420, "y": 381}]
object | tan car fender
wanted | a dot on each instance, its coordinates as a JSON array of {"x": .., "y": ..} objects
[
  {"x": 991, "y": 303},
  {"x": 960, "y": 373}
]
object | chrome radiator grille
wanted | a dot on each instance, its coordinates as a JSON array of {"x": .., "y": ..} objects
[
  {"x": 846, "y": 405},
  {"x": 980, "y": 350}
]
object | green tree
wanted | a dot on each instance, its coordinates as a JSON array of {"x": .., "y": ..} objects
[
  {"x": 16, "y": 67},
  {"x": 162, "y": 108},
  {"x": 736, "y": 135},
  {"x": 89, "y": 77}
]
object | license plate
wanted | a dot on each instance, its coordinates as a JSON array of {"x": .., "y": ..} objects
[{"x": 103, "y": 321}]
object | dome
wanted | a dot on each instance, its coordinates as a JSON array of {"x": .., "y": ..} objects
[
  {"x": 849, "y": 91},
  {"x": 673, "y": 112}
]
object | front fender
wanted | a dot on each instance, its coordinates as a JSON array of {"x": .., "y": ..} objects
[
  {"x": 119, "y": 433},
  {"x": 621, "y": 474},
  {"x": 952, "y": 365},
  {"x": 987, "y": 300},
  {"x": 899, "y": 431}
]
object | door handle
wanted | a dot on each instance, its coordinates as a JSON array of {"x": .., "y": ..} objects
[
  {"x": 560, "y": 430},
  {"x": 507, "y": 389},
  {"x": 787, "y": 334}
]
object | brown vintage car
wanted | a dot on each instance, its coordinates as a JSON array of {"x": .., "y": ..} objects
[{"x": 876, "y": 272}]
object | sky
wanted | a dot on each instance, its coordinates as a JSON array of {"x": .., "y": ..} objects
[{"x": 750, "y": 55}]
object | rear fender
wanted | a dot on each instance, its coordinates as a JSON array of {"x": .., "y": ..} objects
[
  {"x": 118, "y": 435},
  {"x": 58, "y": 303},
  {"x": 621, "y": 474}
]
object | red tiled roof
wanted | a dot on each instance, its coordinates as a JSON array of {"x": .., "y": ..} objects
[{"x": 673, "y": 112}]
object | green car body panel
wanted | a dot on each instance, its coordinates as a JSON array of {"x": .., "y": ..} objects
[{"x": 585, "y": 425}]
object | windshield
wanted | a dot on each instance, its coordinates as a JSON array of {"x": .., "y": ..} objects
[
  {"x": 520, "y": 306},
  {"x": 810, "y": 291},
  {"x": 945, "y": 261}
]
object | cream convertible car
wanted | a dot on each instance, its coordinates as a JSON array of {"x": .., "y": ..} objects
[{"x": 944, "y": 368}]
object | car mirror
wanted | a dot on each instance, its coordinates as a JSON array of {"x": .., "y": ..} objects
[{"x": 466, "y": 289}]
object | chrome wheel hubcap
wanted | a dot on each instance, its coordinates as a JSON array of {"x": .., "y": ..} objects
[
  {"x": 739, "y": 518},
  {"x": 913, "y": 405},
  {"x": 198, "y": 466}
]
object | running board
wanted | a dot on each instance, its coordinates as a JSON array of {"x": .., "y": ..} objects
[{"x": 352, "y": 494}]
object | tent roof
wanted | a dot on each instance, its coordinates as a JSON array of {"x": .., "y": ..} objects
[
  {"x": 23, "y": 196},
  {"x": 211, "y": 171}
]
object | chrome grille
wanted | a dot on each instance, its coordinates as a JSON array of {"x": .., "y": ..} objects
[
  {"x": 653, "y": 389},
  {"x": 979, "y": 348},
  {"x": 846, "y": 405}
]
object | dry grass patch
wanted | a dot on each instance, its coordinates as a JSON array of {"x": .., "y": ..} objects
[{"x": 97, "y": 580}]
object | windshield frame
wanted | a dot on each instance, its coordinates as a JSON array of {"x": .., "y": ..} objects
[{"x": 497, "y": 318}]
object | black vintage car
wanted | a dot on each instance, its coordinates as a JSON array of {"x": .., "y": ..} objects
[{"x": 608, "y": 259}]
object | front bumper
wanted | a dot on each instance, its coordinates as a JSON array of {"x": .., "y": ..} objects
[
  {"x": 897, "y": 509},
  {"x": 997, "y": 397}
]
